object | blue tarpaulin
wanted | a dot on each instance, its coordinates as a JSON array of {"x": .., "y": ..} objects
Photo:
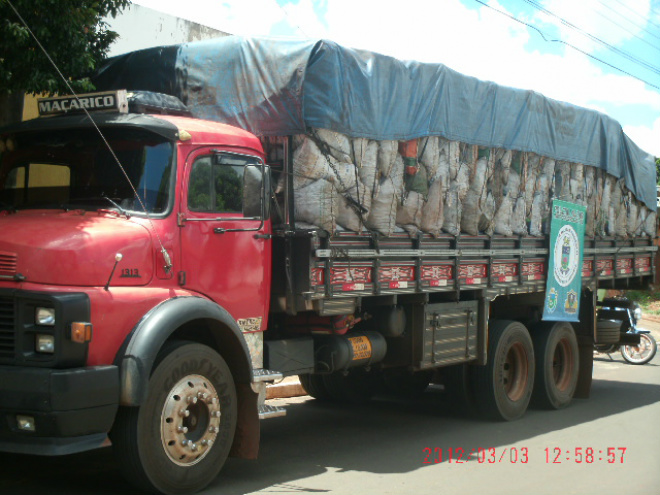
[{"x": 281, "y": 87}]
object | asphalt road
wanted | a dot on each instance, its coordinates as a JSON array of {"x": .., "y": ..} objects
[{"x": 394, "y": 447}]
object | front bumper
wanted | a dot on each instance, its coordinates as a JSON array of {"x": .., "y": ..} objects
[{"x": 73, "y": 409}]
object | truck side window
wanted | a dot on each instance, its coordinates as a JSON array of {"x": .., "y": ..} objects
[{"x": 215, "y": 187}]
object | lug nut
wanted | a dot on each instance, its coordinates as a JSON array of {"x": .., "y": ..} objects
[
  {"x": 184, "y": 412},
  {"x": 214, "y": 429},
  {"x": 214, "y": 400},
  {"x": 202, "y": 395},
  {"x": 192, "y": 399},
  {"x": 182, "y": 429},
  {"x": 184, "y": 442},
  {"x": 216, "y": 414},
  {"x": 207, "y": 443},
  {"x": 193, "y": 446}
]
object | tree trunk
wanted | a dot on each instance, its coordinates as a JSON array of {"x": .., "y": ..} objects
[{"x": 11, "y": 108}]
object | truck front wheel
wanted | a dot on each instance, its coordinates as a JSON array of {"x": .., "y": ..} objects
[
  {"x": 503, "y": 387},
  {"x": 179, "y": 439}
]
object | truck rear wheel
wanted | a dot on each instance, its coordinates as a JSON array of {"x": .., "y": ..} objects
[
  {"x": 179, "y": 439},
  {"x": 503, "y": 387},
  {"x": 401, "y": 381},
  {"x": 556, "y": 351},
  {"x": 459, "y": 388},
  {"x": 315, "y": 386},
  {"x": 356, "y": 387}
]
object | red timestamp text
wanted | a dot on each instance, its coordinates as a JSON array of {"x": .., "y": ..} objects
[
  {"x": 586, "y": 455},
  {"x": 490, "y": 455}
]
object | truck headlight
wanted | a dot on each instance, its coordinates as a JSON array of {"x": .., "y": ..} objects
[
  {"x": 637, "y": 312},
  {"x": 45, "y": 343},
  {"x": 45, "y": 316}
]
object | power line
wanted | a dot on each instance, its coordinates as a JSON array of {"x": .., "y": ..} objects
[
  {"x": 286, "y": 14},
  {"x": 641, "y": 28},
  {"x": 547, "y": 39},
  {"x": 597, "y": 40},
  {"x": 646, "y": 19}
]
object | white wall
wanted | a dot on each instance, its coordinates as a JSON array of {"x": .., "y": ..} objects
[{"x": 141, "y": 27}]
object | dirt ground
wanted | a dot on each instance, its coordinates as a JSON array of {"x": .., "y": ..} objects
[{"x": 651, "y": 323}]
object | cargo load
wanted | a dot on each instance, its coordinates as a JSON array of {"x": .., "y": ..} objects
[{"x": 389, "y": 146}]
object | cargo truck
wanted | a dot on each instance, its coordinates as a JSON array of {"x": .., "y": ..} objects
[{"x": 157, "y": 269}]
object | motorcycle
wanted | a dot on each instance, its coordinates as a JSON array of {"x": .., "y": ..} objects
[{"x": 637, "y": 346}]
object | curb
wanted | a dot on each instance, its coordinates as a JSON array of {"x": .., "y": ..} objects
[{"x": 289, "y": 387}]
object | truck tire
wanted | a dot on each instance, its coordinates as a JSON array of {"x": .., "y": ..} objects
[
  {"x": 315, "y": 387},
  {"x": 459, "y": 388},
  {"x": 402, "y": 382},
  {"x": 607, "y": 331},
  {"x": 557, "y": 365},
  {"x": 503, "y": 388},
  {"x": 356, "y": 387},
  {"x": 178, "y": 440}
]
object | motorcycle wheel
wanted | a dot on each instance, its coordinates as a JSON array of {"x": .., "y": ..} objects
[{"x": 642, "y": 353}]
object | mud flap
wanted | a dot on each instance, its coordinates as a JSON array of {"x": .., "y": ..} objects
[
  {"x": 585, "y": 371},
  {"x": 246, "y": 439}
]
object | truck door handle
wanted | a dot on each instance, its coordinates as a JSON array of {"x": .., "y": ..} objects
[
  {"x": 219, "y": 230},
  {"x": 263, "y": 236}
]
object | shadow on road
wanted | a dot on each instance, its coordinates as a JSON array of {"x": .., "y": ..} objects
[
  {"x": 390, "y": 436},
  {"x": 385, "y": 436}
]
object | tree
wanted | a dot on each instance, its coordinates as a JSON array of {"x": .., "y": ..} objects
[
  {"x": 657, "y": 171},
  {"x": 72, "y": 31}
]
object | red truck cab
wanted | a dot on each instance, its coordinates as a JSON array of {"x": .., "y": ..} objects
[{"x": 120, "y": 232}]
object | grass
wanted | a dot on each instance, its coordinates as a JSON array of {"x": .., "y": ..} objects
[{"x": 649, "y": 300}]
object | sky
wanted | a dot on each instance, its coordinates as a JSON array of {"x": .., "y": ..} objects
[{"x": 605, "y": 54}]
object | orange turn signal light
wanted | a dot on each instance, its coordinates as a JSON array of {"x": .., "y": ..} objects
[{"x": 81, "y": 332}]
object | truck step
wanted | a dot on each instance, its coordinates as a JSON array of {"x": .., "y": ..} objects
[
  {"x": 266, "y": 411},
  {"x": 264, "y": 375}
]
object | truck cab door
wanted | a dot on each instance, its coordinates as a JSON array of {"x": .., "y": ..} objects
[{"x": 225, "y": 233}]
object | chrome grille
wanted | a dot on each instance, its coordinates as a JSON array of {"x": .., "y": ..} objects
[{"x": 7, "y": 332}]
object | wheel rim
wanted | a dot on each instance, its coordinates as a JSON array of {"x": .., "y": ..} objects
[
  {"x": 562, "y": 365},
  {"x": 515, "y": 372},
  {"x": 638, "y": 353},
  {"x": 190, "y": 420}
]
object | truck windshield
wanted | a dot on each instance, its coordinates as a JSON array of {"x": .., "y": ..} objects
[{"x": 73, "y": 168}]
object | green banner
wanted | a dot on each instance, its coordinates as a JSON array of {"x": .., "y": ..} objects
[{"x": 564, "y": 280}]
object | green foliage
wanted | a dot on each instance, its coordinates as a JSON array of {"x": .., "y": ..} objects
[
  {"x": 228, "y": 184},
  {"x": 72, "y": 31},
  {"x": 657, "y": 171},
  {"x": 647, "y": 299}
]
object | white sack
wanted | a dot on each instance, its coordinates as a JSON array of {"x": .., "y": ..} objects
[
  {"x": 387, "y": 155},
  {"x": 475, "y": 201},
  {"x": 458, "y": 189},
  {"x": 350, "y": 216},
  {"x": 429, "y": 155},
  {"x": 366, "y": 160},
  {"x": 432, "y": 210},
  {"x": 339, "y": 144},
  {"x": 317, "y": 204},
  {"x": 382, "y": 216},
  {"x": 309, "y": 164},
  {"x": 409, "y": 212},
  {"x": 591, "y": 198}
]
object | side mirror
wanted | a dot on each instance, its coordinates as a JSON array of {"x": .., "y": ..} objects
[{"x": 256, "y": 191}]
